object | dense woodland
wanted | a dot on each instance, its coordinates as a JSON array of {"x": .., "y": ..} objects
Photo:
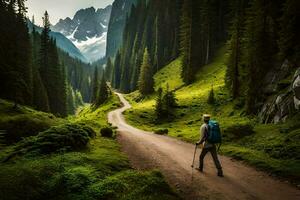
[
  {"x": 152, "y": 25},
  {"x": 259, "y": 34},
  {"x": 34, "y": 71}
]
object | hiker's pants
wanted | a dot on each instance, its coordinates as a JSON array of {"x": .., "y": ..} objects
[{"x": 213, "y": 151}]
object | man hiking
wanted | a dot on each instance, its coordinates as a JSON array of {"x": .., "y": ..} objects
[{"x": 209, "y": 136}]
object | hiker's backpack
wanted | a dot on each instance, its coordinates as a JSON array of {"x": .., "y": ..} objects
[{"x": 214, "y": 132}]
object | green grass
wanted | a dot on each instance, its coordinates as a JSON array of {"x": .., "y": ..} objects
[
  {"x": 96, "y": 118},
  {"x": 99, "y": 171},
  {"x": 268, "y": 148},
  {"x": 169, "y": 75},
  {"x": 24, "y": 121}
]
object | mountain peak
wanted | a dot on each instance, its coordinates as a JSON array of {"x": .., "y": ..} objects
[{"x": 87, "y": 29}]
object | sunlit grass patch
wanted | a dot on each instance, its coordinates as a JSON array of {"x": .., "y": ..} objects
[{"x": 169, "y": 75}]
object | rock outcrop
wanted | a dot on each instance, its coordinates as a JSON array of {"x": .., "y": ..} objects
[
  {"x": 120, "y": 10},
  {"x": 296, "y": 89},
  {"x": 284, "y": 94}
]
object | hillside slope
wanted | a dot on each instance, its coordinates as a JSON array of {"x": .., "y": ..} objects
[
  {"x": 269, "y": 147},
  {"x": 55, "y": 165},
  {"x": 22, "y": 122}
]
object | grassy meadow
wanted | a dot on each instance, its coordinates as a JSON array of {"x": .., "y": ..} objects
[{"x": 269, "y": 147}]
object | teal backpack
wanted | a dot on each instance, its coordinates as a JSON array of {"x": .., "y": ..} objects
[{"x": 214, "y": 132}]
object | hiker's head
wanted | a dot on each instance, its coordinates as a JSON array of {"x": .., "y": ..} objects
[{"x": 206, "y": 118}]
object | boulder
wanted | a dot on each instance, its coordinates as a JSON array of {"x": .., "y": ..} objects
[
  {"x": 297, "y": 103},
  {"x": 274, "y": 76},
  {"x": 281, "y": 104},
  {"x": 296, "y": 87}
]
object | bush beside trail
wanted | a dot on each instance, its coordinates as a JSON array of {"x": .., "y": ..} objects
[
  {"x": 107, "y": 132},
  {"x": 68, "y": 137}
]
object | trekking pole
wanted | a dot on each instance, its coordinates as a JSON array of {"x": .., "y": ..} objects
[{"x": 193, "y": 161}]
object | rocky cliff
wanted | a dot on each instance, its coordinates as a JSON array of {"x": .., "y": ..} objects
[
  {"x": 284, "y": 94},
  {"x": 120, "y": 10}
]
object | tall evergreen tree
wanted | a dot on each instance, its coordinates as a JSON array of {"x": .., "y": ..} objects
[
  {"x": 70, "y": 100},
  {"x": 159, "y": 109},
  {"x": 108, "y": 69},
  {"x": 15, "y": 67},
  {"x": 169, "y": 102},
  {"x": 40, "y": 97},
  {"x": 289, "y": 42},
  {"x": 211, "y": 97},
  {"x": 103, "y": 93},
  {"x": 186, "y": 41},
  {"x": 238, "y": 8},
  {"x": 95, "y": 86},
  {"x": 52, "y": 72},
  {"x": 257, "y": 57},
  {"x": 117, "y": 71},
  {"x": 146, "y": 82}
]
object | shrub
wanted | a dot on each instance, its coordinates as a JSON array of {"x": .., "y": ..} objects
[
  {"x": 89, "y": 130},
  {"x": 77, "y": 178},
  {"x": 66, "y": 137},
  {"x": 211, "y": 97},
  {"x": 165, "y": 105},
  {"x": 161, "y": 131},
  {"x": 133, "y": 185},
  {"x": 21, "y": 126},
  {"x": 107, "y": 132},
  {"x": 240, "y": 130}
]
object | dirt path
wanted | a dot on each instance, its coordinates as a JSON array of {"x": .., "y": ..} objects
[{"x": 173, "y": 158}]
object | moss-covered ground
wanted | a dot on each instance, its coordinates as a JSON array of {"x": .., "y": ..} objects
[
  {"x": 99, "y": 171},
  {"x": 274, "y": 148}
]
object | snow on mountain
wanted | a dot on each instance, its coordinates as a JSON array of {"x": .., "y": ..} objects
[
  {"x": 88, "y": 31},
  {"x": 93, "y": 48}
]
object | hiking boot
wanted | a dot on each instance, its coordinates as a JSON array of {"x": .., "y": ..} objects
[{"x": 220, "y": 174}]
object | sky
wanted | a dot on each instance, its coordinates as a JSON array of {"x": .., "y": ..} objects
[{"x": 58, "y": 9}]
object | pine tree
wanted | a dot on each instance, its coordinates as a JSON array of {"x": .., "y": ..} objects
[
  {"x": 52, "y": 72},
  {"x": 95, "y": 86},
  {"x": 186, "y": 41},
  {"x": 159, "y": 109},
  {"x": 146, "y": 82},
  {"x": 289, "y": 43},
  {"x": 117, "y": 71},
  {"x": 62, "y": 90},
  {"x": 40, "y": 97},
  {"x": 235, "y": 52},
  {"x": 78, "y": 99},
  {"x": 257, "y": 57},
  {"x": 211, "y": 97},
  {"x": 108, "y": 69},
  {"x": 169, "y": 102},
  {"x": 103, "y": 93},
  {"x": 15, "y": 66},
  {"x": 71, "y": 100}
]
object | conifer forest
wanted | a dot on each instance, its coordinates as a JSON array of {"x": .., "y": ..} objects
[{"x": 122, "y": 99}]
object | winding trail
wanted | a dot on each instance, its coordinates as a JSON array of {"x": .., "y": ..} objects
[{"x": 173, "y": 158}]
